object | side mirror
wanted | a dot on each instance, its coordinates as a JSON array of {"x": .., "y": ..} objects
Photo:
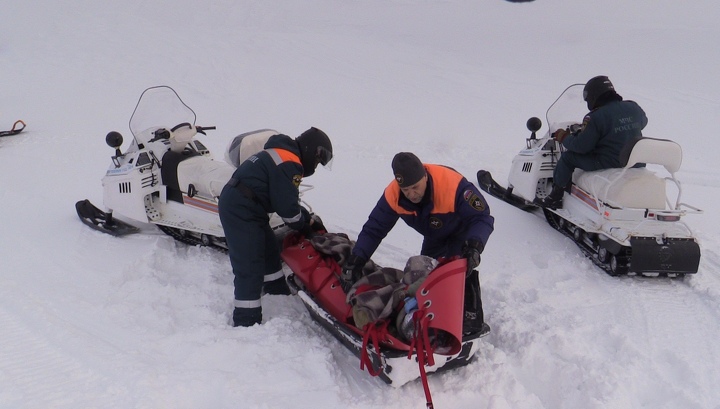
[
  {"x": 533, "y": 125},
  {"x": 114, "y": 140}
]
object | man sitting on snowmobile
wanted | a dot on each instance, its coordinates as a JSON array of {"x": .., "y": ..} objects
[
  {"x": 445, "y": 208},
  {"x": 610, "y": 125},
  {"x": 266, "y": 182}
]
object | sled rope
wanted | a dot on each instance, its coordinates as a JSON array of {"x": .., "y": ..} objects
[
  {"x": 14, "y": 129},
  {"x": 372, "y": 332},
  {"x": 424, "y": 350}
]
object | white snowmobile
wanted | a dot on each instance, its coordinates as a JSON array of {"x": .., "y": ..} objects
[
  {"x": 167, "y": 177},
  {"x": 627, "y": 220}
]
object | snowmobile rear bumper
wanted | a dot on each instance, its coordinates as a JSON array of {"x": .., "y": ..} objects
[{"x": 671, "y": 256}]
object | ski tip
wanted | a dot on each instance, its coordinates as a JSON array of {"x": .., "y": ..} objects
[{"x": 17, "y": 127}]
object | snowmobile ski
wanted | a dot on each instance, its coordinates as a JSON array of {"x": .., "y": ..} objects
[
  {"x": 15, "y": 129},
  {"x": 489, "y": 185},
  {"x": 102, "y": 221}
]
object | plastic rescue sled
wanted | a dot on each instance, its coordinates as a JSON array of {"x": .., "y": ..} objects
[{"x": 439, "y": 316}]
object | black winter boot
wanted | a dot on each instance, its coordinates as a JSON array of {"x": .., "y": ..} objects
[
  {"x": 277, "y": 287},
  {"x": 554, "y": 200},
  {"x": 247, "y": 317},
  {"x": 473, "y": 318}
]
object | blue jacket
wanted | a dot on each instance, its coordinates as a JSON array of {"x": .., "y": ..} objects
[
  {"x": 451, "y": 212},
  {"x": 274, "y": 176},
  {"x": 606, "y": 130}
]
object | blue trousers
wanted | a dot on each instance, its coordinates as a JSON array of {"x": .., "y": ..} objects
[{"x": 252, "y": 246}]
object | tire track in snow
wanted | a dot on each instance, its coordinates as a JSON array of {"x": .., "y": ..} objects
[
  {"x": 656, "y": 315},
  {"x": 34, "y": 373}
]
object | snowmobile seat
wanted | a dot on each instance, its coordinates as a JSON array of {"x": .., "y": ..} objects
[
  {"x": 208, "y": 176},
  {"x": 169, "y": 172},
  {"x": 245, "y": 145},
  {"x": 631, "y": 187}
]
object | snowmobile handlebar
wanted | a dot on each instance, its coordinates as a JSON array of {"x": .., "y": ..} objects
[{"x": 202, "y": 129}]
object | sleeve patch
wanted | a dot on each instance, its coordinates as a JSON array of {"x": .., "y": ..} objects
[
  {"x": 296, "y": 180},
  {"x": 474, "y": 200},
  {"x": 585, "y": 122}
]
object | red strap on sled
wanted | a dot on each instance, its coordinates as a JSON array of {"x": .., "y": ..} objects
[
  {"x": 372, "y": 331},
  {"x": 421, "y": 344}
]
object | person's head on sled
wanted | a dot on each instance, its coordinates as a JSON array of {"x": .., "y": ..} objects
[
  {"x": 267, "y": 182},
  {"x": 411, "y": 175}
]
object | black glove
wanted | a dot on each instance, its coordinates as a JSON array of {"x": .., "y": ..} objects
[
  {"x": 351, "y": 272},
  {"x": 471, "y": 251},
  {"x": 317, "y": 225},
  {"x": 302, "y": 225}
]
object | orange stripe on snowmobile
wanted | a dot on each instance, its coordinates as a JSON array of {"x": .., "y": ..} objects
[
  {"x": 200, "y": 204},
  {"x": 582, "y": 195}
]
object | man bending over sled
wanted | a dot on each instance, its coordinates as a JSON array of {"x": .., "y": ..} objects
[{"x": 443, "y": 206}]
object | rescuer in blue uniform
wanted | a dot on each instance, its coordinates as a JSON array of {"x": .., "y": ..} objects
[
  {"x": 265, "y": 183},
  {"x": 611, "y": 124},
  {"x": 443, "y": 206}
]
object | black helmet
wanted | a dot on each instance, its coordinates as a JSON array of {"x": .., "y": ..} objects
[
  {"x": 315, "y": 147},
  {"x": 595, "y": 88}
]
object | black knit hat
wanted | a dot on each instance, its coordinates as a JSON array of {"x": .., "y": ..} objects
[
  {"x": 595, "y": 88},
  {"x": 407, "y": 168}
]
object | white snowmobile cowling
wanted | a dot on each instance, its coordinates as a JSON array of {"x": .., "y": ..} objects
[
  {"x": 245, "y": 145},
  {"x": 207, "y": 175},
  {"x": 180, "y": 138}
]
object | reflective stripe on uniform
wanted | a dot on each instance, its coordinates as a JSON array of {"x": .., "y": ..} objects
[
  {"x": 281, "y": 155},
  {"x": 273, "y": 276},
  {"x": 248, "y": 303},
  {"x": 293, "y": 219}
]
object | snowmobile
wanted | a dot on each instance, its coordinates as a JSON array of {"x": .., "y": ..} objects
[
  {"x": 626, "y": 220},
  {"x": 168, "y": 178},
  {"x": 438, "y": 343}
]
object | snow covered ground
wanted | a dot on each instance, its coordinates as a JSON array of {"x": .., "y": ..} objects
[{"x": 92, "y": 321}]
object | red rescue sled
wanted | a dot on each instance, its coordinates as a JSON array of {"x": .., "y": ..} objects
[{"x": 380, "y": 349}]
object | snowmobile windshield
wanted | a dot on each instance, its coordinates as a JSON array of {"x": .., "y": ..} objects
[
  {"x": 569, "y": 108},
  {"x": 159, "y": 107}
]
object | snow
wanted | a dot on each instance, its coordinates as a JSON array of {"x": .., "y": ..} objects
[{"x": 92, "y": 321}]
